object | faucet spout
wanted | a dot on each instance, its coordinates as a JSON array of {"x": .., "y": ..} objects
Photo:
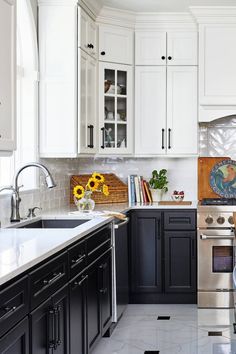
[{"x": 15, "y": 201}]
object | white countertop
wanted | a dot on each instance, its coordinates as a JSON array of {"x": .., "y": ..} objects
[{"x": 21, "y": 249}]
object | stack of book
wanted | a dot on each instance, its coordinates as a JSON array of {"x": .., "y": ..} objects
[{"x": 139, "y": 191}]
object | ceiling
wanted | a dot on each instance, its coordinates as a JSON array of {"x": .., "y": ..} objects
[{"x": 163, "y": 5}]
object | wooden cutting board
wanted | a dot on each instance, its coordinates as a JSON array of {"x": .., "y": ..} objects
[
  {"x": 205, "y": 165},
  {"x": 172, "y": 202}
]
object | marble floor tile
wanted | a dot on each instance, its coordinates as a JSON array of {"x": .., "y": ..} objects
[{"x": 186, "y": 332}]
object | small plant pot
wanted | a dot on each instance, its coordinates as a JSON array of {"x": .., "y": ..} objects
[{"x": 157, "y": 194}]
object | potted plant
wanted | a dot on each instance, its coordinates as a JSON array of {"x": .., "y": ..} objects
[{"x": 158, "y": 184}]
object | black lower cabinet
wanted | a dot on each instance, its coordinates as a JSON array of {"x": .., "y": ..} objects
[
  {"x": 106, "y": 292},
  {"x": 145, "y": 248},
  {"x": 180, "y": 261},
  {"x": 163, "y": 256},
  {"x": 16, "y": 341},
  {"x": 78, "y": 315},
  {"x": 49, "y": 325}
]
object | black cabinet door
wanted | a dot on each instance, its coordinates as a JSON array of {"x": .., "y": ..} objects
[
  {"x": 105, "y": 290},
  {"x": 41, "y": 329},
  {"x": 146, "y": 267},
  {"x": 78, "y": 315},
  {"x": 180, "y": 261},
  {"x": 49, "y": 325},
  {"x": 17, "y": 340},
  {"x": 93, "y": 306},
  {"x": 60, "y": 303}
]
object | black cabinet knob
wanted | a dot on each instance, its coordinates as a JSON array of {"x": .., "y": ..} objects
[
  {"x": 163, "y": 57},
  {"x": 103, "y": 53},
  {"x": 169, "y": 58},
  {"x": 89, "y": 45}
]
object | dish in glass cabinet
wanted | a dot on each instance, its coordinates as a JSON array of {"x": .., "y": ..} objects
[{"x": 223, "y": 179}]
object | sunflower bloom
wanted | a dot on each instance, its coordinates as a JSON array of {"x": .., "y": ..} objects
[
  {"x": 100, "y": 178},
  {"x": 105, "y": 190},
  {"x": 78, "y": 192},
  {"x": 93, "y": 184}
]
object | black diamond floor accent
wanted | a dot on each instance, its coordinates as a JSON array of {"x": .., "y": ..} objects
[
  {"x": 151, "y": 352},
  {"x": 166, "y": 318},
  {"x": 215, "y": 333}
]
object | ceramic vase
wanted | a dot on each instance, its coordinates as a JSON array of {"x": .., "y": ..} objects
[{"x": 157, "y": 194}]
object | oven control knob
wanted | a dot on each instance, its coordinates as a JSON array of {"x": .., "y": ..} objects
[
  {"x": 231, "y": 220},
  {"x": 209, "y": 220},
  {"x": 221, "y": 220}
]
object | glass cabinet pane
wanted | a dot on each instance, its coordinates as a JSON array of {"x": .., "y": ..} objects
[
  {"x": 109, "y": 108},
  {"x": 121, "y": 135},
  {"x": 121, "y": 109},
  {"x": 121, "y": 82},
  {"x": 109, "y": 135},
  {"x": 109, "y": 83}
]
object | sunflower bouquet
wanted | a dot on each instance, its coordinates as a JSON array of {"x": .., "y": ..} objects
[{"x": 82, "y": 195}]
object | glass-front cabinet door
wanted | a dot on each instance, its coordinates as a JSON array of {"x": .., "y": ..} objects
[{"x": 115, "y": 109}]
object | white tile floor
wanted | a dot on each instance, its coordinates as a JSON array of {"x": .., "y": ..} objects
[{"x": 186, "y": 332}]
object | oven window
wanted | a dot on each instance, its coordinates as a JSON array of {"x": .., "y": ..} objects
[{"x": 222, "y": 259}]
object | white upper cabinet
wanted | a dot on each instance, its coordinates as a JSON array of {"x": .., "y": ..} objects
[
  {"x": 87, "y": 33},
  {"x": 182, "y": 48},
  {"x": 116, "y": 44},
  {"x": 166, "y": 110},
  {"x": 217, "y": 64},
  {"x": 87, "y": 103},
  {"x": 115, "y": 109},
  {"x": 182, "y": 122},
  {"x": 161, "y": 48},
  {"x": 150, "y": 110},
  {"x": 7, "y": 75},
  {"x": 150, "y": 48}
]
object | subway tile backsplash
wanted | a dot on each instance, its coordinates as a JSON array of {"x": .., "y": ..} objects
[{"x": 182, "y": 174}]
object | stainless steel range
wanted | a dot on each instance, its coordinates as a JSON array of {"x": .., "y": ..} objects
[{"x": 216, "y": 253}]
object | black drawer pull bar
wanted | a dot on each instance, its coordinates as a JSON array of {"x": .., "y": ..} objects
[
  {"x": 103, "y": 138},
  {"x": 162, "y": 139},
  {"x": 91, "y": 145},
  {"x": 51, "y": 329},
  {"x": 81, "y": 281},
  {"x": 8, "y": 310},
  {"x": 55, "y": 277},
  {"x": 78, "y": 260},
  {"x": 169, "y": 145},
  {"x": 58, "y": 315}
]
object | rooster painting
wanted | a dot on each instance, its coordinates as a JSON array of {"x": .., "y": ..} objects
[{"x": 223, "y": 179}]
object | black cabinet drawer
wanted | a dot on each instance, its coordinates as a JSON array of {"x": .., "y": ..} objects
[
  {"x": 14, "y": 304},
  {"x": 47, "y": 279},
  {"x": 180, "y": 220},
  {"x": 98, "y": 243},
  {"x": 77, "y": 256}
]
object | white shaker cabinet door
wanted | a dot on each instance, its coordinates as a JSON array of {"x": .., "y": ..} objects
[
  {"x": 217, "y": 64},
  {"x": 182, "y": 122},
  {"x": 182, "y": 48},
  {"x": 116, "y": 44},
  {"x": 150, "y": 110},
  {"x": 150, "y": 48},
  {"x": 7, "y": 75}
]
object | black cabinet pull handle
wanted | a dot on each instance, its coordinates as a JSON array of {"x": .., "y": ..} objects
[
  {"x": 103, "y": 53},
  {"x": 51, "y": 329},
  {"x": 55, "y": 277},
  {"x": 8, "y": 310},
  {"x": 163, "y": 57},
  {"x": 169, "y": 58},
  {"x": 58, "y": 314},
  {"x": 103, "y": 138},
  {"x": 79, "y": 259},
  {"x": 162, "y": 138},
  {"x": 103, "y": 290},
  {"x": 169, "y": 131},
  {"x": 193, "y": 249},
  {"x": 91, "y": 127}
]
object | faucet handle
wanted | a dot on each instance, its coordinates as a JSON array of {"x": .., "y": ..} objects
[{"x": 32, "y": 212}]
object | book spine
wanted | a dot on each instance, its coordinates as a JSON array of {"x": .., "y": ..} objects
[
  {"x": 137, "y": 189},
  {"x": 132, "y": 188},
  {"x": 140, "y": 178},
  {"x": 129, "y": 190},
  {"x": 145, "y": 198}
]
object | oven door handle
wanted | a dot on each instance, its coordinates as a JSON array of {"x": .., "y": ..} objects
[{"x": 205, "y": 237}]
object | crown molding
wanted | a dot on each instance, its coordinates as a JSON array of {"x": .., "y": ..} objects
[
  {"x": 214, "y": 14},
  {"x": 118, "y": 17},
  {"x": 146, "y": 20},
  {"x": 91, "y": 6}
]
